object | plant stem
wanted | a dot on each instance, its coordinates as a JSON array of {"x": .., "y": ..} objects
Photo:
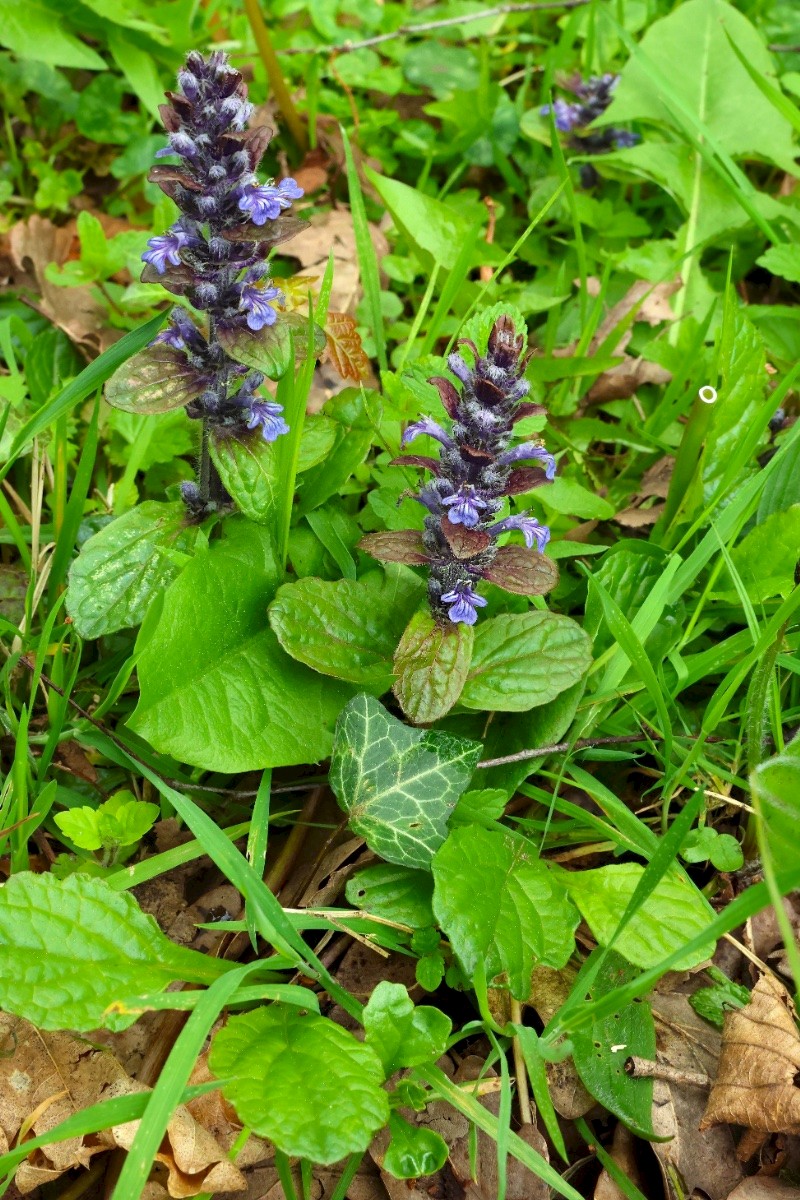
[{"x": 275, "y": 75}]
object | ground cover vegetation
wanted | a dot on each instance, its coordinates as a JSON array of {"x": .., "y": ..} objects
[{"x": 399, "y": 530}]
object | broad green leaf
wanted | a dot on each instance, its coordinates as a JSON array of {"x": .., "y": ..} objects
[
  {"x": 120, "y": 569},
  {"x": 707, "y": 845},
  {"x": 36, "y": 30},
  {"x": 348, "y": 629},
  {"x": 740, "y": 406},
  {"x": 707, "y": 76},
  {"x": 354, "y": 433},
  {"x": 776, "y": 794},
  {"x": 316, "y": 441},
  {"x": 600, "y": 1049},
  {"x": 782, "y": 260},
  {"x": 572, "y": 498},
  {"x": 431, "y": 664},
  {"x": 397, "y": 785},
  {"x": 413, "y": 1151},
  {"x": 766, "y": 559},
  {"x": 401, "y": 1033},
  {"x": 478, "y": 806},
  {"x": 501, "y": 907},
  {"x": 155, "y": 380},
  {"x": 628, "y": 573},
  {"x": 304, "y": 1082},
  {"x": 268, "y": 350},
  {"x": 82, "y": 826},
  {"x": 435, "y": 228},
  {"x": 247, "y": 468},
  {"x": 782, "y": 487},
  {"x": 673, "y": 914},
  {"x": 396, "y": 893},
  {"x": 444, "y": 69},
  {"x": 85, "y": 948},
  {"x": 522, "y": 660},
  {"x": 216, "y": 689}
]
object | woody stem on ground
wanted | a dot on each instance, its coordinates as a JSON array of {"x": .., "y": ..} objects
[{"x": 274, "y": 74}]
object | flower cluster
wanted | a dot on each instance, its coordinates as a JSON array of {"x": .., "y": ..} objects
[
  {"x": 476, "y": 470},
  {"x": 215, "y": 253},
  {"x": 593, "y": 97}
]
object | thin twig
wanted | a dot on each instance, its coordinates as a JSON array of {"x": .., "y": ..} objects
[
  {"x": 499, "y": 10},
  {"x": 563, "y": 747},
  {"x": 776, "y": 48},
  {"x": 643, "y": 1068},
  {"x": 520, "y": 1070}
]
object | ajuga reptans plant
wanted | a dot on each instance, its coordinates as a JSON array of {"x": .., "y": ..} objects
[
  {"x": 476, "y": 470},
  {"x": 215, "y": 256},
  {"x": 592, "y": 97}
]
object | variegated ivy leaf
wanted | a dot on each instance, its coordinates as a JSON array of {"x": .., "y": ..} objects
[
  {"x": 155, "y": 380},
  {"x": 397, "y": 785}
]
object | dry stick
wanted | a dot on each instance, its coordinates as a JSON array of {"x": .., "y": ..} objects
[
  {"x": 643, "y": 1068},
  {"x": 276, "y": 81},
  {"x": 563, "y": 747},
  {"x": 499, "y": 10}
]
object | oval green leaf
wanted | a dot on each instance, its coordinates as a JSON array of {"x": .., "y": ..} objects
[
  {"x": 431, "y": 664},
  {"x": 155, "y": 380}
]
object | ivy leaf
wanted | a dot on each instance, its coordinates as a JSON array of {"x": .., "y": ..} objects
[
  {"x": 397, "y": 785},
  {"x": 600, "y": 1049},
  {"x": 413, "y": 1151},
  {"x": 400, "y": 1033},
  {"x": 348, "y": 629},
  {"x": 501, "y": 907},
  {"x": 120, "y": 569},
  {"x": 216, "y": 689},
  {"x": 304, "y": 1082},
  {"x": 85, "y": 947},
  {"x": 431, "y": 664},
  {"x": 673, "y": 913},
  {"x": 155, "y": 380},
  {"x": 521, "y": 660},
  {"x": 248, "y": 469}
]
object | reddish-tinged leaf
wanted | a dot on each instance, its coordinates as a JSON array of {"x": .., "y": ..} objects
[
  {"x": 271, "y": 232},
  {"x": 524, "y": 480},
  {"x": 154, "y": 381},
  {"x": 417, "y": 460},
  {"x": 431, "y": 664},
  {"x": 479, "y": 458},
  {"x": 448, "y": 395},
  {"x": 523, "y": 572},
  {"x": 395, "y": 545},
  {"x": 178, "y": 280},
  {"x": 488, "y": 392},
  {"x": 529, "y": 409},
  {"x": 465, "y": 543},
  {"x": 169, "y": 178},
  {"x": 344, "y": 348}
]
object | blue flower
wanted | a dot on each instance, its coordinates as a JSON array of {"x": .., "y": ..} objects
[
  {"x": 464, "y": 506},
  {"x": 464, "y": 604},
  {"x": 428, "y": 427},
  {"x": 566, "y": 116},
  {"x": 269, "y": 416},
  {"x": 165, "y": 248},
  {"x": 528, "y": 526},
  {"x": 255, "y": 301},
  {"x": 264, "y": 202},
  {"x": 525, "y": 451},
  {"x": 623, "y": 140}
]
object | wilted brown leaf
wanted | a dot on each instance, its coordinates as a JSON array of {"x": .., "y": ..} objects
[
  {"x": 656, "y": 479},
  {"x": 762, "y": 1187},
  {"x": 651, "y": 302},
  {"x": 36, "y": 243},
  {"x": 639, "y": 518},
  {"x": 343, "y": 347},
  {"x": 549, "y": 991},
  {"x": 621, "y": 382},
  {"x": 623, "y": 1152},
  {"x": 760, "y": 1058},
  {"x": 333, "y": 230}
]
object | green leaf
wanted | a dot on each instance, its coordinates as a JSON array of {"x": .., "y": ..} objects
[
  {"x": 395, "y": 893},
  {"x": 574, "y": 500},
  {"x": 397, "y": 785},
  {"x": 776, "y": 787},
  {"x": 782, "y": 487},
  {"x": 766, "y": 559},
  {"x": 123, "y": 567},
  {"x": 782, "y": 260},
  {"x": 543, "y": 726},
  {"x": 673, "y": 914},
  {"x": 435, "y": 229},
  {"x": 486, "y": 804},
  {"x": 501, "y": 907},
  {"x": 740, "y": 407},
  {"x": 413, "y": 1151},
  {"x": 431, "y": 664},
  {"x": 706, "y": 845},
  {"x": 354, "y": 434},
  {"x": 628, "y": 572},
  {"x": 268, "y": 350},
  {"x": 600, "y": 1048},
  {"x": 444, "y": 69},
  {"x": 36, "y": 31},
  {"x": 711, "y": 1003},
  {"x": 302, "y": 1081},
  {"x": 155, "y": 380},
  {"x": 400, "y": 1033},
  {"x": 85, "y": 948},
  {"x": 216, "y": 689},
  {"x": 247, "y": 467},
  {"x": 522, "y": 660},
  {"x": 347, "y": 629},
  {"x": 123, "y": 820},
  {"x": 81, "y": 826}
]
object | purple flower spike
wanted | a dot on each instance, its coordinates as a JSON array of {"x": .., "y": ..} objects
[
  {"x": 528, "y": 526},
  {"x": 464, "y": 604},
  {"x": 269, "y": 416},
  {"x": 526, "y": 451},
  {"x": 165, "y": 248},
  {"x": 464, "y": 507},
  {"x": 426, "y": 426},
  {"x": 265, "y": 202},
  {"x": 255, "y": 301},
  {"x": 459, "y": 368},
  {"x": 623, "y": 140},
  {"x": 566, "y": 116}
]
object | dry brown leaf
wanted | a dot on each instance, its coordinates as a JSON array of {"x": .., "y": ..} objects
[
  {"x": 623, "y": 1152},
  {"x": 334, "y": 231},
  {"x": 652, "y": 304},
  {"x": 621, "y": 382},
  {"x": 34, "y": 244},
  {"x": 639, "y": 518},
  {"x": 72, "y": 758},
  {"x": 762, "y": 1187},
  {"x": 343, "y": 347},
  {"x": 691, "y": 1159},
  {"x": 656, "y": 479},
  {"x": 312, "y": 174},
  {"x": 760, "y": 1057},
  {"x": 549, "y": 991}
]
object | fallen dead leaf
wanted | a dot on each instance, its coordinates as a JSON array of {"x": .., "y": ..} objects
[
  {"x": 623, "y": 1152},
  {"x": 651, "y": 302},
  {"x": 762, "y": 1187},
  {"x": 639, "y": 518},
  {"x": 759, "y": 1060},
  {"x": 622, "y": 381},
  {"x": 656, "y": 479},
  {"x": 549, "y": 991},
  {"x": 344, "y": 349},
  {"x": 334, "y": 231},
  {"x": 33, "y": 245},
  {"x": 312, "y": 174},
  {"x": 72, "y": 758}
]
